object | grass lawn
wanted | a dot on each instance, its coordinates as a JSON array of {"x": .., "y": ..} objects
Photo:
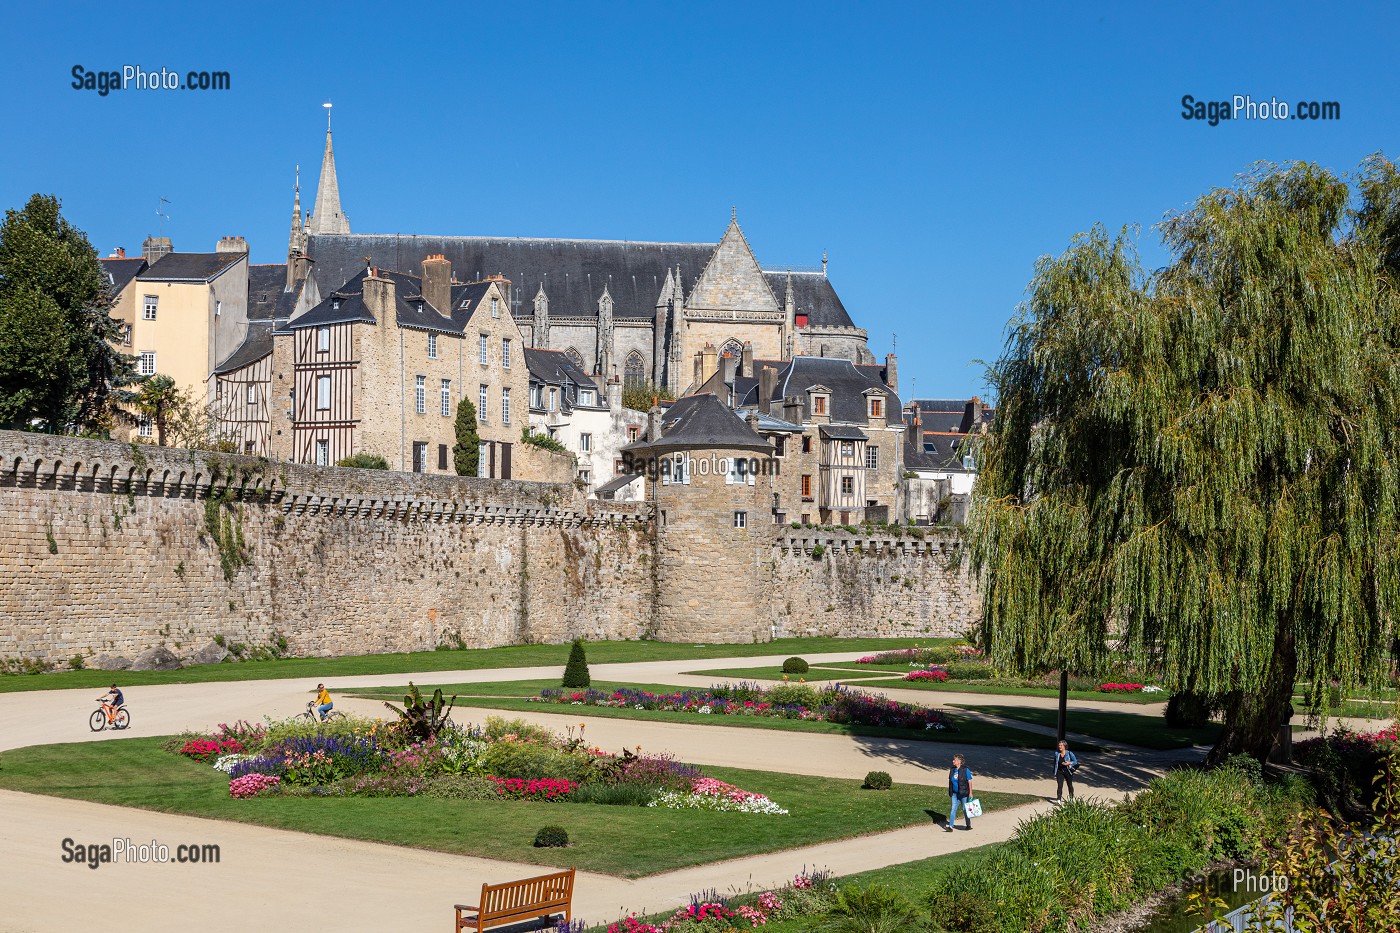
[
  {"x": 617, "y": 840},
  {"x": 1003, "y": 688},
  {"x": 510, "y": 697},
  {"x": 776, "y": 673},
  {"x": 467, "y": 659},
  {"x": 1142, "y": 730}
]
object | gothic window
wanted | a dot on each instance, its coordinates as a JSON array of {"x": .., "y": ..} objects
[
  {"x": 732, "y": 348},
  {"x": 635, "y": 370},
  {"x": 576, "y": 356}
]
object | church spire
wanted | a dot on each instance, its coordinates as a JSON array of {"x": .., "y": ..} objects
[
  {"x": 328, "y": 217},
  {"x": 295, "y": 242}
]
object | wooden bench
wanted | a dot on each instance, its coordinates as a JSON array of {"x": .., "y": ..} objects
[{"x": 518, "y": 901}]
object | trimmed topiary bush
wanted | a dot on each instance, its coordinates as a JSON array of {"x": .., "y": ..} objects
[
  {"x": 576, "y": 672},
  {"x": 878, "y": 780},
  {"x": 795, "y": 666},
  {"x": 551, "y": 837}
]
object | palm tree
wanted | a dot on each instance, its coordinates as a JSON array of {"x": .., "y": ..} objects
[{"x": 155, "y": 397}]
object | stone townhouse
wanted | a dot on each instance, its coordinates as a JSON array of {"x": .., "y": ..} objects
[
  {"x": 379, "y": 365},
  {"x": 835, "y": 427},
  {"x": 589, "y": 420},
  {"x": 940, "y": 458}
]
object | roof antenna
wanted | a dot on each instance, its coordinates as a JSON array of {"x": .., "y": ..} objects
[
  {"x": 823, "y": 263},
  {"x": 160, "y": 212}
]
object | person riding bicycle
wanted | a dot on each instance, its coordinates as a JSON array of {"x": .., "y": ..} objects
[
  {"x": 112, "y": 701},
  {"x": 323, "y": 701}
]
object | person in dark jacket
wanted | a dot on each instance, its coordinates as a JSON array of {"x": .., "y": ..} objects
[
  {"x": 960, "y": 791},
  {"x": 1065, "y": 765}
]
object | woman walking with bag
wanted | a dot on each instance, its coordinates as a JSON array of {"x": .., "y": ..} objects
[
  {"x": 960, "y": 791},
  {"x": 1065, "y": 765}
]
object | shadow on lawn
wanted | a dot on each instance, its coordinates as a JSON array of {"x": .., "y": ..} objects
[{"x": 1103, "y": 770}]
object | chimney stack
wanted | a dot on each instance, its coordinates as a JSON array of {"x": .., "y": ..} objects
[
  {"x": 118, "y": 253},
  {"x": 767, "y": 382},
  {"x": 231, "y": 244},
  {"x": 730, "y": 366},
  {"x": 654, "y": 423},
  {"x": 748, "y": 360},
  {"x": 792, "y": 409},
  {"x": 614, "y": 394},
  {"x": 503, "y": 284},
  {"x": 709, "y": 362},
  {"x": 154, "y": 247},
  {"x": 437, "y": 283},
  {"x": 891, "y": 371},
  {"x": 379, "y": 297}
]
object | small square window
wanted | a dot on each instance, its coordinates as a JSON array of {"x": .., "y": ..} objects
[
  {"x": 848, "y": 485},
  {"x": 806, "y": 444},
  {"x": 741, "y": 519}
]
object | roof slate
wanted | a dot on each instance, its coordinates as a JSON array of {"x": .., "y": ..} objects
[
  {"x": 702, "y": 421},
  {"x": 847, "y": 384},
  {"x": 573, "y": 272},
  {"x": 190, "y": 267},
  {"x": 120, "y": 271}
]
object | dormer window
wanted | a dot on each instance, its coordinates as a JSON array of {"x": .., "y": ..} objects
[
  {"x": 819, "y": 404},
  {"x": 420, "y": 307},
  {"x": 585, "y": 397},
  {"x": 335, "y": 304},
  {"x": 877, "y": 407}
]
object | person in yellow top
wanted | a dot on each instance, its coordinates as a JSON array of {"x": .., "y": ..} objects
[{"x": 323, "y": 701}]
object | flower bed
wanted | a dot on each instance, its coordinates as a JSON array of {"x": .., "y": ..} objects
[
  {"x": 931, "y": 675},
  {"x": 517, "y": 760},
  {"x": 1119, "y": 688},
  {"x": 836, "y": 704}
]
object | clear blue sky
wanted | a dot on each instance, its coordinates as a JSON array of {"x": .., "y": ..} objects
[{"x": 934, "y": 151}]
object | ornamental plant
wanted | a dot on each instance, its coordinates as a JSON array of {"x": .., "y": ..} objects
[
  {"x": 878, "y": 780},
  {"x": 551, "y": 837},
  {"x": 202, "y": 750},
  {"x": 1119, "y": 688},
  {"x": 931, "y": 675},
  {"x": 552, "y": 789},
  {"x": 796, "y": 666},
  {"x": 251, "y": 785},
  {"x": 576, "y": 671}
]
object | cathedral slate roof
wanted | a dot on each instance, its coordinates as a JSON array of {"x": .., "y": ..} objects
[
  {"x": 189, "y": 267},
  {"x": 121, "y": 270},
  {"x": 702, "y": 421},
  {"x": 573, "y": 272}
]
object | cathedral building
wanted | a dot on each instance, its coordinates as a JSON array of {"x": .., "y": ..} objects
[{"x": 638, "y": 310}]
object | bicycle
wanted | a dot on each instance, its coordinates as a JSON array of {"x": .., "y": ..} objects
[
  {"x": 312, "y": 715},
  {"x": 97, "y": 722}
]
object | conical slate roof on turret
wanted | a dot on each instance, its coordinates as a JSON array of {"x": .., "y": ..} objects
[
  {"x": 702, "y": 421},
  {"x": 732, "y": 280}
]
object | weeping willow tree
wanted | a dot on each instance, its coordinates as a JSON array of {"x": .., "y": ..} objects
[{"x": 1196, "y": 469}]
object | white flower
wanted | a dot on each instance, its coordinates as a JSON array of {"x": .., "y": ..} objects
[
  {"x": 576, "y": 703},
  {"x": 704, "y": 709},
  {"x": 1153, "y": 690},
  {"x": 226, "y": 763},
  {"x": 640, "y": 706},
  {"x": 756, "y": 804}
]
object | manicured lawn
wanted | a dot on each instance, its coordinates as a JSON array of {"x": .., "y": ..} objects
[
  {"x": 618, "y": 840},
  {"x": 776, "y": 673},
  {"x": 1143, "y": 730},
  {"x": 510, "y": 697},
  {"x": 467, "y": 659},
  {"x": 1004, "y": 688}
]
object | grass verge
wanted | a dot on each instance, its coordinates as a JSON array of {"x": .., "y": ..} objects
[
  {"x": 466, "y": 659},
  {"x": 618, "y": 840},
  {"x": 776, "y": 673},
  {"x": 1142, "y": 730}
]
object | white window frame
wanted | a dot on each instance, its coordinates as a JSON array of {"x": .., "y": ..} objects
[
  {"x": 149, "y": 305},
  {"x": 323, "y": 340},
  {"x": 323, "y": 452},
  {"x": 485, "y": 354},
  {"x": 585, "y": 442},
  {"x": 420, "y": 394},
  {"x": 872, "y": 457},
  {"x": 553, "y": 399},
  {"x": 848, "y": 448},
  {"x": 585, "y": 397},
  {"x": 323, "y": 393},
  {"x": 145, "y": 427},
  {"x": 146, "y": 363},
  {"x": 536, "y": 396},
  {"x": 741, "y": 519},
  {"x": 483, "y": 396},
  {"x": 446, "y": 396},
  {"x": 505, "y": 353},
  {"x": 495, "y": 307},
  {"x": 432, "y": 346},
  {"x": 483, "y": 459},
  {"x": 218, "y": 307},
  {"x": 252, "y": 393},
  {"x": 505, "y": 406}
]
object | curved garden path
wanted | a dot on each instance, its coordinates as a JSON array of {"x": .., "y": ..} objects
[{"x": 294, "y": 880}]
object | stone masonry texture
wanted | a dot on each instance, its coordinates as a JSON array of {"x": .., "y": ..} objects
[{"x": 116, "y": 548}]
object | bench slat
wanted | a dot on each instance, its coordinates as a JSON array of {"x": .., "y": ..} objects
[{"x": 513, "y": 901}]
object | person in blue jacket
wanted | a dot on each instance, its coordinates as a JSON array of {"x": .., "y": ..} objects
[
  {"x": 960, "y": 790},
  {"x": 1065, "y": 765}
]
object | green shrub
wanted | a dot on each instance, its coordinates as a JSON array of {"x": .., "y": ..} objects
[
  {"x": 551, "y": 837},
  {"x": 576, "y": 672},
  {"x": 498, "y": 727},
  {"x": 528, "y": 760},
  {"x": 817, "y": 551},
  {"x": 874, "y": 908},
  {"x": 621, "y": 795},
  {"x": 878, "y": 780},
  {"x": 349, "y": 727},
  {"x": 795, "y": 666},
  {"x": 543, "y": 441},
  {"x": 364, "y": 461},
  {"x": 792, "y": 695},
  {"x": 968, "y": 670},
  {"x": 462, "y": 787}
]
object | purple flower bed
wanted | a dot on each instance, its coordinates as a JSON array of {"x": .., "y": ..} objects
[
  {"x": 836, "y": 704},
  {"x": 334, "y": 755}
]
